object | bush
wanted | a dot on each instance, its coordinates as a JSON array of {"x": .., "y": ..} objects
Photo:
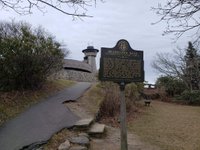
[
  {"x": 131, "y": 92},
  {"x": 27, "y": 56},
  {"x": 172, "y": 86},
  {"x": 110, "y": 106},
  {"x": 191, "y": 97}
]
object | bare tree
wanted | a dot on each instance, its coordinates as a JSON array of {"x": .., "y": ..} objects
[
  {"x": 170, "y": 64},
  {"x": 181, "y": 16},
  {"x": 75, "y": 8},
  {"x": 181, "y": 64}
]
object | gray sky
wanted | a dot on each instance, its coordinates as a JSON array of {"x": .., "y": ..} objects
[{"x": 112, "y": 21}]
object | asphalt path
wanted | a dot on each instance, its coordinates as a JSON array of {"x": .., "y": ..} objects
[{"x": 37, "y": 124}]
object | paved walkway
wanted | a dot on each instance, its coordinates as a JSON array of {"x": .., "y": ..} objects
[{"x": 40, "y": 122}]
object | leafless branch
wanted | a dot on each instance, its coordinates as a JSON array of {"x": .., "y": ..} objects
[
  {"x": 181, "y": 16},
  {"x": 75, "y": 8}
]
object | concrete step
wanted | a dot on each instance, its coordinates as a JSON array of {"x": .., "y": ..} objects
[
  {"x": 97, "y": 130},
  {"x": 83, "y": 123}
]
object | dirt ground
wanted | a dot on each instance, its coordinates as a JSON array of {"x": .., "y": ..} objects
[{"x": 111, "y": 141}]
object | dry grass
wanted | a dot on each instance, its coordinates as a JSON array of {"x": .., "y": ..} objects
[
  {"x": 59, "y": 138},
  {"x": 93, "y": 98},
  {"x": 15, "y": 102},
  {"x": 110, "y": 106},
  {"x": 170, "y": 126}
]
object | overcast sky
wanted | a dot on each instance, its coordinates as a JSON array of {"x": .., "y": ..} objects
[{"x": 111, "y": 21}]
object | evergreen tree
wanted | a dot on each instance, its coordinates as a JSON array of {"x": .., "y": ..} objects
[{"x": 192, "y": 74}]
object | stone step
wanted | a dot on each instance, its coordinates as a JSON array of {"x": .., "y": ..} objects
[
  {"x": 80, "y": 140},
  {"x": 84, "y": 123},
  {"x": 96, "y": 130}
]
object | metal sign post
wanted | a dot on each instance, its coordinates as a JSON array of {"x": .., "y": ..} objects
[
  {"x": 124, "y": 145},
  {"x": 121, "y": 64}
]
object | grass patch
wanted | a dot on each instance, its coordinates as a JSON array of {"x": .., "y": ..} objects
[
  {"x": 93, "y": 98},
  {"x": 15, "y": 102},
  {"x": 169, "y": 126}
]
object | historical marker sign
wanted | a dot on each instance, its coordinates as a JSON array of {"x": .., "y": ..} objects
[{"x": 121, "y": 64}]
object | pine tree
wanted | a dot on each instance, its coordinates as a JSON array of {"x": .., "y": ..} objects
[{"x": 192, "y": 60}]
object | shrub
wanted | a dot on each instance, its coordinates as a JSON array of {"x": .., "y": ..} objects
[
  {"x": 27, "y": 56},
  {"x": 131, "y": 92},
  {"x": 191, "y": 97},
  {"x": 172, "y": 86},
  {"x": 110, "y": 106}
]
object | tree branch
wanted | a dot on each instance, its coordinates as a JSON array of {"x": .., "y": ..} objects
[
  {"x": 181, "y": 16},
  {"x": 24, "y": 7}
]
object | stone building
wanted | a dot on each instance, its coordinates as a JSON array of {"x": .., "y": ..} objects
[
  {"x": 90, "y": 57},
  {"x": 80, "y": 70}
]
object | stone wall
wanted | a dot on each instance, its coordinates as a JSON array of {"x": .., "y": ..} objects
[
  {"x": 75, "y": 75},
  {"x": 77, "y": 71}
]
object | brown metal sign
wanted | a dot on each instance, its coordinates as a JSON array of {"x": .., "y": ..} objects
[{"x": 121, "y": 64}]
